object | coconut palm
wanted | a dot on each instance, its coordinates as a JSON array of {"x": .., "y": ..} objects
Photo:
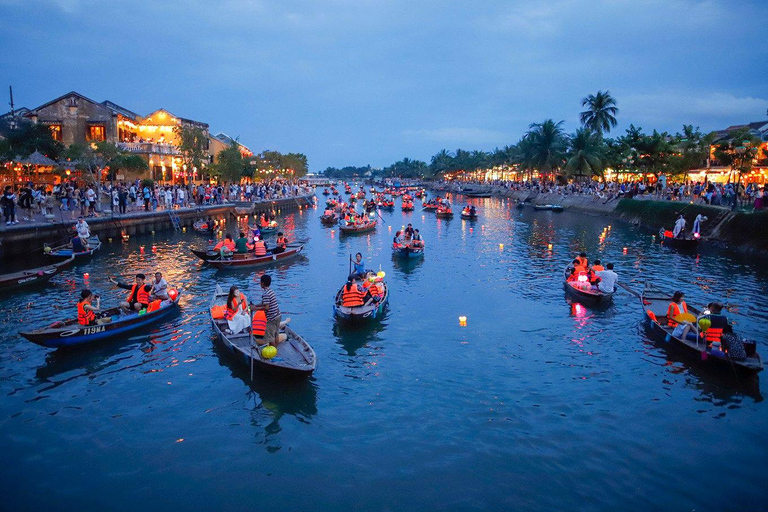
[
  {"x": 585, "y": 157},
  {"x": 441, "y": 162},
  {"x": 548, "y": 145},
  {"x": 600, "y": 115}
]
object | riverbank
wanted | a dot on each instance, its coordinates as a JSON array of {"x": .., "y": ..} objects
[
  {"x": 28, "y": 237},
  {"x": 743, "y": 232}
]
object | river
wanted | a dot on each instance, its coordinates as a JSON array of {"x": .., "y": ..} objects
[{"x": 536, "y": 404}]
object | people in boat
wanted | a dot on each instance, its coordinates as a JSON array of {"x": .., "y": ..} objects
[
  {"x": 210, "y": 224},
  {"x": 358, "y": 266},
  {"x": 77, "y": 245},
  {"x": 408, "y": 232},
  {"x": 676, "y": 307},
  {"x": 397, "y": 241},
  {"x": 373, "y": 292},
  {"x": 679, "y": 230},
  {"x": 697, "y": 224},
  {"x": 272, "y": 310},
  {"x": 226, "y": 246},
  {"x": 417, "y": 241},
  {"x": 352, "y": 294},
  {"x": 607, "y": 277},
  {"x": 259, "y": 248},
  {"x": 719, "y": 324},
  {"x": 472, "y": 211},
  {"x": 236, "y": 313},
  {"x": 86, "y": 311},
  {"x": 575, "y": 270},
  {"x": 159, "y": 288},
  {"x": 82, "y": 228},
  {"x": 241, "y": 245},
  {"x": 597, "y": 266},
  {"x": 582, "y": 259},
  {"x": 281, "y": 244},
  {"x": 138, "y": 295}
]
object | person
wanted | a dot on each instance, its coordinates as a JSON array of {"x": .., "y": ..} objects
[
  {"x": 352, "y": 294},
  {"x": 236, "y": 314},
  {"x": 582, "y": 259},
  {"x": 597, "y": 266},
  {"x": 676, "y": 307},
  {"x": 241, "y": 246},
  {"x": 270, "y": 306},
  {"x": 159, "y": 288},
  {"x": 397, "y": 240},
  {"x": 259, "y": 247},
  {"x": 77, "y": 245},
  {"x": 373, "y": 291},
  {"x": 359, "y": 266},
  {"x": 281, "y": 243},
  {"x": 82, "y": 228},
  {"x": 697, "y": 224},
  {"x": 719, "y": 321},
  {"x": 417, "y": 240},
  {"x": 679, "y": 229},
  {"x": 226, "y": 246},
  {"x": 579, "y": 266},
  {"x": 473, "y": 211},
  {"x": 409, "y": 232},
  {"x": 9, "y": 206},
  {"x": 86, "y": 311},
  {"x": 608, "y": 278},
  {"x": 138, "y": 296}
]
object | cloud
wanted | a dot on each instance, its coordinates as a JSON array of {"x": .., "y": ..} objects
[{"x": 459, "y": 136}]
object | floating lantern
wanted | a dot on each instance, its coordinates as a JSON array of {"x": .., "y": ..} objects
[
  {"x": 154, "y": 248},
  {"x": 462, "y": 321},
  {"x": 109, "y": 240},
  {"x": 184, "y": 229},
  {"x": 582, "y": 277},
  {"x": 152, "y": 232},
  {"x": 470, "y": 230},
  {"x": 86, "y": 276},
  {"x": 172, "y": 294},
  {"x": 549, "y": 247},
  {"x": 381, "y": 274},
  {"x": 609, "y": 228},
  {"x": 501, "y": 247},
  {"x": 141, "y": 249},
  {"x": 625, "y": 250}
]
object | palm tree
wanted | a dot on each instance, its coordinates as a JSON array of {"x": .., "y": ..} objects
[
  {"x": 548, "y": 145},
  {"x": 600, "y": 115},
  {"x": 585, "y": 157},
  {"x": 441, "y": 162}
]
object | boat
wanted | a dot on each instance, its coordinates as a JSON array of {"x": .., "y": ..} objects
[
  {"x": 444, "y": 213},
  {"x": 65, "y": 251},
  {"x": 520, "y": 205},
  {"x": 326, "y": 193},
  {"x": 271, "y": 228},
  {"x": 295, "y": 357},
  {"x": 542, "y": 207},
  {"x": 655, "y": 303},
  {"x": 407, "y": 207},
  {"x": 585, "y": 294},
  {"x": 31, "y": 277},
  {"x": 387, "y": 205},
  {"x": 682, "y": 244},
  {"x": 69, "y": 333},
  {"x": 356, "y": 228},
  {"x": 356, "y": 314},
  {"x": 478, "y": 195},
  {"x": 201, "y": 227},
  {"x": 557, "y": 208},
  {"x": 408, "y": 251},
  {"x": 430, "y": 206},
  {"x": 329, "y": 220},
  {"x": 467, "y": 214},
  {"x": 251, "y": 260}
]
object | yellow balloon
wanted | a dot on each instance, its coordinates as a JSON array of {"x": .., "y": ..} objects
[
  {"x": 268, "y": 352},
  {"x": 381, "y": 274},
  {"x": 705, "y": 324}
]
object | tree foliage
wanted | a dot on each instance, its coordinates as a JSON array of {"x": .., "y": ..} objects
[{"x": 193, "y": 144}]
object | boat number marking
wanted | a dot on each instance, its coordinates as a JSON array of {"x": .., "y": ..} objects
[{"x": 85, "y": 331}]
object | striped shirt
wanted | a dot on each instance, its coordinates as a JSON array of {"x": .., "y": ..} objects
[{"x": 269, "y": 299}]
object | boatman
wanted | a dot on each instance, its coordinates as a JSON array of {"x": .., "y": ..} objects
[
  {"x": 159, "y": 288},
  {"x": 359, "y": 265},
  {"x": 697, "y": 224},
  {"x": 270, "y": 307},
  {"x": 608, "y": 278}
]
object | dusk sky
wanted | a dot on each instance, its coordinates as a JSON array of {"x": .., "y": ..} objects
[{"x": 370, "y": 82}]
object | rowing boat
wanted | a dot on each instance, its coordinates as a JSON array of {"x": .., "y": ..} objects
[
  {"x": 31, "y": 277},
  {"x": 586, "y": 295},
  {"x": 295, "y": 357},
  {"x": 408, "y": 251},
  {"x": 681, "y": 244},
  {"x": 357, "y": 314},
  {"x": 444, "y": 214},
  {"x": 251, "y": 260},
  {"x": 203, "y": 228},
  {"x": 655, "y": 304},
  {"x": 357, "y": 228},
  {"x": 70, "y": 333},
  {"x": 542, "y": 207},
  {"x": 65, "y": 251},
  {"x": 329, "y": 220},
  {"x": 468, "y": 216}
]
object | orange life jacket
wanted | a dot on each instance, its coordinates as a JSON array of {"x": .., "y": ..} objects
[
  {"x": 141, "y": 295},
  {"x": 674, "y": 310},
  {"x": 84, "y": 316},
  {"x": 282, "y": 242},
  {"x": 230, "y": 313},
  {"x": 374, "y": 290},
  {"x": 714, "y": 334},
  {"x": 597, "y": 268},
  {"x": 352, "y": 297},
  {"x": 259, "y": 325},
  {"x": 154, "y": 305},
  {"x": 583, "y": 261},
  {"x": 260, "y": 248},
  {"x": 225, "y": 243}
]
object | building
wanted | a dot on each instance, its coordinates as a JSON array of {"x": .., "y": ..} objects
[{"x": 717, "y": 171}]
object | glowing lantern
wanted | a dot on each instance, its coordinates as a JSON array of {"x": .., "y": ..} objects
[
  {"x": 86, "y": 276},
  {"x": 625, "y": 250},
  {"x": 582, "y": 277},
  {"x": 462, "y": 321},
  {"x": 141, "y": 249},
  {"x": 173, "y": 294},
  {"x": 549, "y": 247},
  {"x": 705, "y": 324},
  {"x": 501, "y": 247}
]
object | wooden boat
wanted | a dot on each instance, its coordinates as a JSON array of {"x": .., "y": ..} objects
[
  {"x": 467, "y": 215},
  {"x": 586, "y": 295},
  {"x": 444, "y": 214},
  {"x": 202, "y": 227},
  {"x": 251, "y": 260},
  {"x": 356, "y": 314},
  {"x": 295, "y": 357},
  {"x": 354, "y": 229},
  {"x": 387, "y": 205},
  {"x": 478, "y": 195},
  {"x": 65, "y": 251},
  {"x": 326, "y": 193},
  {"x": 408, "y": 251},
  {"x": 557, "y": 208},
  {"x": 430, "y": 207},
  {"x": 542, "y": 207},
  {"x": 329, "y": 220},
  {"x": 269, "y": 229},
  {"x": 407, "y": 207},
  {"x": 69, "y": 333},
  {"x": 655, "y": 303},
  {"x": 31, "y": 277},
  {"x": 681, "y": 244}
]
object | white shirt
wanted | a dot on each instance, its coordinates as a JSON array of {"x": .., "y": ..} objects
[
  {"x": 82, "y": 230},
  {"x": 608, "y": 280},
  {"x": 679, "y": 226}
]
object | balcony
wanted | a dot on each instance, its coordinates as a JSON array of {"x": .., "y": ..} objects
[{"x": 149, "y": 148}]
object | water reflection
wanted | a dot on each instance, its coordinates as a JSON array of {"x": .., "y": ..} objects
[
  {"x": 353, "y": 337},
  {"x": 405, "y": 266}
]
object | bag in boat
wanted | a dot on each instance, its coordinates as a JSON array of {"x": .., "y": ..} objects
[{"x": 734, "y": 346}]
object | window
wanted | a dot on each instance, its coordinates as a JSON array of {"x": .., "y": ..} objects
[
  {"x": 95, "y": 132},
  {"x": 55, "y": 131}
]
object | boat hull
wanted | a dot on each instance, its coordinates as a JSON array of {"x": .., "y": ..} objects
[
  {"x": 587, "y": 297},
  {"x": 31, "y": 277},
  {"x": 408, "y": 252},
  {"x": 681, "y": 244},
  {"x": 254, "y": 261}
]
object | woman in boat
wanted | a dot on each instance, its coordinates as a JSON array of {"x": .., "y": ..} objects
[
  {"x": 226, "y": 246},
  {"x": 352, "y": 294},
  {"x": 417, "y": 242},
  {"x": 86, "y": 311},
  {"x": 676, "y": 308},
  {"x": 259, "y": 248},
  {"x": 373, "y": 291},
  {"x": 236, "y": 314},
  {"x": 397, "y": 241},
  {"x": 408, "y": 232}
]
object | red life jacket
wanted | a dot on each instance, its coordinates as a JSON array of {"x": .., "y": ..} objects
[
  {"x": 229, "y": 314},
  {"x": 714, "y": 334},
  {"x": 259, "y": 325},
  {"x": 259, "y": 248},
  {"x": 140, "y": 294},
  {"x": 674, "y": 310},
  {"x": 282, "y": 242},
  {"x": 84, "y": 316},
  {"x": 352, "y": 297}
]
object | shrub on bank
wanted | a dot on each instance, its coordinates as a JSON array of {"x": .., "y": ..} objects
[{"x": 663, "y": 213}]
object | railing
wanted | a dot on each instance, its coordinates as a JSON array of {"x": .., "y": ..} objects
[{"x": 149, "y": 148}]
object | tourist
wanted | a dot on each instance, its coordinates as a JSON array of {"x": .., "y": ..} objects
[
  {"x": 226, "y": 246},
  {"x": 270, "y": 306},
  {"x": 608, "y": 278},
  {"x": 697, "y": 224},
  {"x": 281, "y": 243},
  {"x": 138, "y": 295},
  {"x": 159, "y": 288},
  {"x": 241, "y": 245},
  {"x": 352, "y": 295},
  {"x": 9, "y": 206},
  {"x": 679, "y": 229},
  {"x": 236, "y": 314},
  {"x": 676, "y": 307},
  {"x": 90, "y": 197},
  {"x": 259, "y": 247},
  {"x": 86, "y": 311}
]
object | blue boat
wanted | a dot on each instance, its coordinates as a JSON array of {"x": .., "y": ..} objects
[
  {"x": 70, "y": 333},
  {"x": 65, "y": 251},
  {"x": 357, "y": 314},
  {"x": 407, "y": 251}
]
